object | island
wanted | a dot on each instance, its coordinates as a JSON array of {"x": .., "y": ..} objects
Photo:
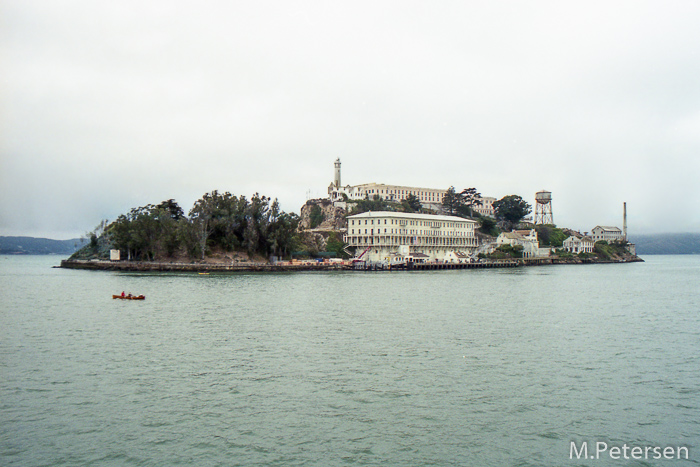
[{"x": 413, "y": 230}]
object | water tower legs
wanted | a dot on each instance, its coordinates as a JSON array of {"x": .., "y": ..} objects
[{"x": 543, "y": 207}]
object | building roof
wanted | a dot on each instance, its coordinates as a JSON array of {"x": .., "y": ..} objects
[
  {"x": 608, "y": 228},
  {"x": 409, "y": 215},
  {"x": 579, "y": 238},
  {"x": 572, "y": 232},
  {"x": 406, "y": 187},
  {"x": 513, "y": 235}
]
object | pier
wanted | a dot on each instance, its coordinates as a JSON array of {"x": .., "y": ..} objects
[{"x": 433, "y": 266}]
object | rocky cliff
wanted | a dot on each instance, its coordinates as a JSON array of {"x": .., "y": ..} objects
[{"x": 321, "y": 214}]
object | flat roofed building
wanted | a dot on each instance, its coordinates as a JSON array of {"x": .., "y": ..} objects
[
  {"x": 387, "y": 192},
  {"x": 398, "y": 236},
  {"x": 429, "y": 197}
]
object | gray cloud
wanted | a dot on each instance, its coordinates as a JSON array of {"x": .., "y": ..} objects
[{"x": 110, "y": 106}]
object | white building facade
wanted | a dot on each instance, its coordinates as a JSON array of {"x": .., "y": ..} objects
[
  {"x": 486, "y": 208},
  {"x": 388, "y": 192},
  {"x": 575, "y": 244},
  {"x": 525, "y": 238},
  {"x": 394, "y": 237},
  {"x": 609, "y": 234},
  {"x": 429, "y": 197}
]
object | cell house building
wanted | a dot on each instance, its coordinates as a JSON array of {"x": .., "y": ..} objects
[{"x": 395, "y": 237}]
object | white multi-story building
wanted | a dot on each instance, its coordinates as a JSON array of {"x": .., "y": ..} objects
[
  {"x": 578, "y": 244},
  {"x": 387, "y": 192},
  {"x": 429, "y": 197},
  {"x": 525, "y": 238},
  {"x": 398, "y": 237},
  {"x": 609, "y": 234}
]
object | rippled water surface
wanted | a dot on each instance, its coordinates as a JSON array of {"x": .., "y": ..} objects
[{"x": 447, "y": 368}]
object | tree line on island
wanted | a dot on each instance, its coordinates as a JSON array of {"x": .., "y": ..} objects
[{"x": 217, "y": 220}]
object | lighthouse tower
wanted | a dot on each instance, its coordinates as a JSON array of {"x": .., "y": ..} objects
[{"x": 336, "y": 180}]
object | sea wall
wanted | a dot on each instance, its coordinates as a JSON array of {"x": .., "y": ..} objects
[
  {"x": 147, "y": 266},
  {"x": 156, "y": 266}
]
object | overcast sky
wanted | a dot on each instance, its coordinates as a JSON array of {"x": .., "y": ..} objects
[{"x": 105, "y": 106}]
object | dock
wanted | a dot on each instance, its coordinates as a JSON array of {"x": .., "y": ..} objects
[{"x": 361, "y": 266}]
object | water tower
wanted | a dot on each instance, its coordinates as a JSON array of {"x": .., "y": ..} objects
[{"x": 543, "y": 207}]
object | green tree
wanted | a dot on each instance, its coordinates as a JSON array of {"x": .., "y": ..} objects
[
  {"x": 336, "y": 245},
  {"x": 411, "y": 203},
  {"x": 550, "y": 235},
  {"x": 217, "y": 220},
  {"x": 144, "y": 233},
  {"x": 93, "y": 235},
  {"x": 511, "y": 209},
  {"x": 166, "y": 221},
  {"x": 283, "y": 231},
  {"x": 257, "y": 222},
  {"x": 376, "y": 203},
  {"x": 451, "y": 202},
  {"x": 316, "y": 216},
  {"x": 488, "y": 226},
  {"x": 203, "y": 218},
  {"x": 470, "y": 199},
  {"x": 172, "y": 208},
  {"x": 513, "y": 251}
]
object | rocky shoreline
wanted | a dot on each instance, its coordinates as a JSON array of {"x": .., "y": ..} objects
[
  {"x": 290, "y": 266},
  {"x": 157, "y": 266}
]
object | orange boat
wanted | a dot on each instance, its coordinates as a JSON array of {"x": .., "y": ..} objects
[{"x": 130, "y": 297}]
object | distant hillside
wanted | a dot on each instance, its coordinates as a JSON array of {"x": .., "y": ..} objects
[
  {"x": 667, "y": 244},
  {"x": 38, "y": 246}
]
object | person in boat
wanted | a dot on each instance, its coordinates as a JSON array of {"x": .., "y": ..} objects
[{"x": 123, "y": 294}]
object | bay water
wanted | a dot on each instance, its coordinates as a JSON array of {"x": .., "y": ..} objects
[{"x": 498, "y": 367}]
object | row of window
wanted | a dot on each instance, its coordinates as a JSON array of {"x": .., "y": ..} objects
[
  {"x": 434, "y": 224},
  {"x": 404, "y": 192},
  {"x": 414, "y": 232},
  {"x": 409, "y": 240}
]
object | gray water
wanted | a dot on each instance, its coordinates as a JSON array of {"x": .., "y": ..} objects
[{"x": 446, "y": 368}]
